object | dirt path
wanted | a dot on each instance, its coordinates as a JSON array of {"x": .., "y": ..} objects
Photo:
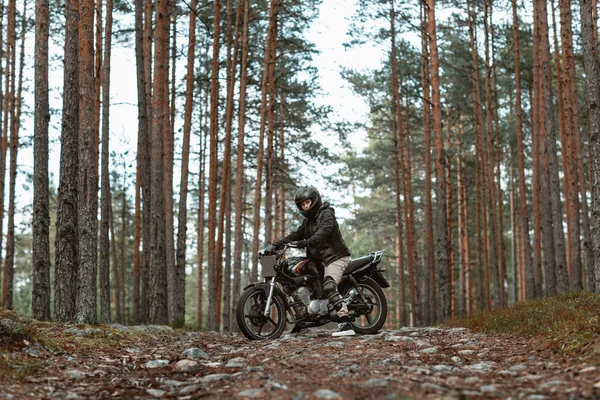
[{"x": 409, "y": 363}]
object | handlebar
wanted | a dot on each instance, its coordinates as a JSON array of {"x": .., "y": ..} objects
[{"x": 271, "y": 250}]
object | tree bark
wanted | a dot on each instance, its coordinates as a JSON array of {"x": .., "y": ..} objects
[
  {"x": 41, "y": 215},
  {"x": 213, "y": 273},
  {"x": 88, "y": 179},
  {"x": 592, "y": 82},
  {"x": 179, "y": 309},
  {"x": 440, "y": 165},
  {"x": 67, "y": 226},
  {"x": 104, "y": 243},
  {"x": 429, "y": 266},
  {"x": 158, "y": 305},
  {"x": 273, "y": 10},
  {"x": 231, "y": 66},
  {"x": 239, "y": 176},
  {"x": 572, "y": 134},
  {"x": 169, "y": 152},
  {"x": 98, "y": 78}
]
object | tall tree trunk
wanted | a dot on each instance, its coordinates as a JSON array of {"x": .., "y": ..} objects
[
  {"x": 397, "y": 168},
  {"x": 104, "y": 244},
  {"x": 67, "y": 227},
  {"x": 489, "y": 168},
  {"x": 88, "y": 179},
  {"x": 40, "y": 306},
  {"x": 273, "y": 9},
  {"x": 9, "y": 101},
  {"x": 178, "y": 317},
  {"x": 158, "y": 305},
  {"x": 200, "y": 248},
  {"x": 9, "y": 261},
  {"x": 429, "y": 284},
  {"x": 239, "y": 175},
  {"x": 226, "y": 180},
  {"x": 572, "y": 135},
  {"x": 441, "y": 222},
  {"x": 521, "y": 153},
  {"x": 213, "y": 269},
  {"x": 98, "y": 78},
  {"x": 592, "y": 82},
  {"x": 169, "y": 150}
]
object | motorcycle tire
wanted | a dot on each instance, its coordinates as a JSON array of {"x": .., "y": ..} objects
[
  {"x": 250, "y": 318},
  {"x": 375, "y": 291}
]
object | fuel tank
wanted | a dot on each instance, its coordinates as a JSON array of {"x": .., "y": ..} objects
[{"x": 297, "y": 266}]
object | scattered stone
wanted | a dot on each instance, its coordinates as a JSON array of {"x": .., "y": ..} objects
[
  {"x": 551, "y": 384},
  {"x": 187, "y": 366},
  {"x": 213, "y": 364},
  {"x": 189, "y": 390},
  {"x": 157, "y": 364},
  {"x": 508, "y": 373},
  {"x": 442, "y": 368},
  {"x": 213, "y": 378},
  {"x": 341, "y": 374},
  {"x": 463, "y": 340},
  {"x": 32, "y": 352},
  {"x": 394, "y": 338},
  {"x": 195, "y": 353},
  {"x": 432, "y": 386},
  {"x": 156, "y": 392},
  {"x": 530, "y": 378},
  {"x": 277, "y": 385},
  {"x": 518, "y": 367},
  {"x": 597, "y": 385},
  {"x": 376, "y": 382},
  {"x": 456, "y": 360},
  {"x": 86, "y": 332},
  {"x": 430, "y": 350},
  {"x": 173, "y": 383},
  {"x": 588, "y": 369},
  {"x": 414, "y": 334},
  {"x": 466, "y": 352},
  {"x": 193, "y": 334},
  {"x": 250, "y": 393},
  {"x": 392, "y": 360},
  {"x": 480, "y": 367},
  {"x": 238, "y": 362},
  {"x": 458, "y": 330},
  {"x": 75, "y": 374},
  {"x": 488, "y": 389},
  {"x": 536, "y": 397},
  {"x": 334, "y": 344},
  {"x": 326, "y": 394},
  {"x": 471, "y": 380},
  {"x": 423, "y": 343}
]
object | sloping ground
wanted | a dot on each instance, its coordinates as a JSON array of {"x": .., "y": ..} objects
[
  {"x": 535, "y": 350},
  {"x": 408, "y": 363}
]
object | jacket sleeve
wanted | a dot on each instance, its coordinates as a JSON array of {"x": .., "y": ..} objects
[
  {"x": 296, "y": 235},
  {"x": 326, "y": 225}
]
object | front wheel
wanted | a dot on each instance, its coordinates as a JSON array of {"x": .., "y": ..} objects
[
  {"x": 251, "y": 319},
  {"x": 369, "y": 317}
]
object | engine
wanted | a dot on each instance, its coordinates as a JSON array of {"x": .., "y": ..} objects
[{"x": 313, "y": 307}]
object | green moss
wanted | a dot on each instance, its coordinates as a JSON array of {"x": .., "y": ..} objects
[{"x": 568, "y": 323}]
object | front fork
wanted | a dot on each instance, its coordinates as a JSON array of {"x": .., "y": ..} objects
[
  {"x": 267, "y": 312},
  {"x": 360, "y": 293}
]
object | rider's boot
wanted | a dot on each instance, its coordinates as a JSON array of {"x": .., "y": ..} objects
[{"x": 336, "y": 304}]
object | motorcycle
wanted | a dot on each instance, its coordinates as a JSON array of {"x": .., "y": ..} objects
[{"x": 292, "y": 293}]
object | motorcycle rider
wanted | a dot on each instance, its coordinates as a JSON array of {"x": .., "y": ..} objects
[{"x": 320, "y": 234}]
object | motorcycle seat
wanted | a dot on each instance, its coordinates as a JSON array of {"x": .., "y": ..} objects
[{"x": 357, "y": 263}]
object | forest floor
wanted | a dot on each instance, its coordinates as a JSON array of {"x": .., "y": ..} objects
[{"x": 75, "y": 362}]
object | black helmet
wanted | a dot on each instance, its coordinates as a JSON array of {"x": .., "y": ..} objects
[{"x": 305, "y": 193}]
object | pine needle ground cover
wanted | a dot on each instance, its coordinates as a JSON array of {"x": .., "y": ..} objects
[{"x": 569, "y": 323}]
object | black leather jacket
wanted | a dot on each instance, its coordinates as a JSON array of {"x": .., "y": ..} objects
[{"x": 322, "y": 234}]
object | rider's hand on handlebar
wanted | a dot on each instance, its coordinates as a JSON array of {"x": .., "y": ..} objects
[
  {"x": 301, "y": 244},
  {"x": 268, "y": 250}
]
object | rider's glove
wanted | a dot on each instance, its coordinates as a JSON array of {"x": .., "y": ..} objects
[
  {"x": 301, "y": 244},
  {"x": 268, "y": 250}
]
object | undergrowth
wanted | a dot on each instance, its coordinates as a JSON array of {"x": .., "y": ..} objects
[{"x": 568, "y": 323}]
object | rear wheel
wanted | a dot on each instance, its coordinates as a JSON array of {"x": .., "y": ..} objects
[
  {"x": 251, "y": 319},
  {"x": 368, "y": 317}
]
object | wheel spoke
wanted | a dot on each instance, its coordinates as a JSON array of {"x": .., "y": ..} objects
[
  {"x": 260, "y": 328},
  {"x": 271, "y": 321},
  {"x": 368, "y": 319}
]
